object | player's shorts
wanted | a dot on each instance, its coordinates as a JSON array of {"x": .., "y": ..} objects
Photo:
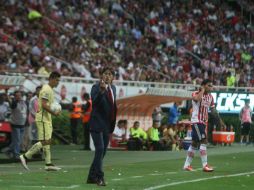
[
  {"x": 198, "y": 132},
  {"x": 245, "y": 128},
  {"x": 44, "y": 130}
]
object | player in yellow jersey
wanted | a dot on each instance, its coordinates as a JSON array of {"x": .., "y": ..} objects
[{"x": 44, "y": 124}]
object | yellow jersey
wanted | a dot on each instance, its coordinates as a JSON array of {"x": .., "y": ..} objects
[{"x": 46, "y": 93}]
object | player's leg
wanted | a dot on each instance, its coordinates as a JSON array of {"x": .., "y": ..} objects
[
  {"x": 46, "y": 143},
  {"x": 192, "y": 149},
  {"x": 35, "y": 148},
  {"x": 203, "y": 152},
  {"x": 247, "y": 127},
  {"x": 203, "y": 148},
  {"x": 190, "y": 155},
  {"x": 242, "y": 133}
]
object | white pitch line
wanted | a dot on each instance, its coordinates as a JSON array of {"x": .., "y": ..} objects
[
  {"x": 152, "y": 174},
  {"x": 198, "y": 169},
  {"x": 117, "y": 179},
  {"x": 197, "y": 180},
  {"x": 155, "y": 174},
  {"x": 138, "y": 176},
  {"x": 46, "y": 187},
  {"x": 170, "y": 173}
]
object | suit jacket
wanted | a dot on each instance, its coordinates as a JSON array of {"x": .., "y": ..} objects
[{"x": 101, "y": 118}]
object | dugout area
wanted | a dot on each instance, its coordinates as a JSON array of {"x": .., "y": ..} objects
[{"x": 140, "y": 107}]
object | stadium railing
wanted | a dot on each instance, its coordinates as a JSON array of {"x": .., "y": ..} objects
[{"x": 189, "y": 87}]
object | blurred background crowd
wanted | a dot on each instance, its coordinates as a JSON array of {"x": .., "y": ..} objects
[{"x": 181, "y": 41}]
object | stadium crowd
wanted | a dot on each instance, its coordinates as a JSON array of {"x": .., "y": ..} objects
[{"x": 158, "y": 41}]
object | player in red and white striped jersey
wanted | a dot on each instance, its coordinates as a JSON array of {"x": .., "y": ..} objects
[
  {"x": 200, "y": 108},
  {"x": 202, "y": 101}
]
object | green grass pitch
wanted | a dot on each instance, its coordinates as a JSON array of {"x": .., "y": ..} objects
[{"x": 131, "y": 170}]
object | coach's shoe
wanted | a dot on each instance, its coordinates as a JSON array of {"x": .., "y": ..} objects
[
  {"x": 207, "y": 168},
  {"x": 188, "y": 168},
  {"x": 23, "y": 161},
  {"x": 51, "y": 167},
  {"x": 91, "y": 181},
  {"x": 101, "y": 182}
]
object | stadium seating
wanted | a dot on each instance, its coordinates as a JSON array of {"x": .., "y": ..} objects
[{"x": 167, "y": 41}]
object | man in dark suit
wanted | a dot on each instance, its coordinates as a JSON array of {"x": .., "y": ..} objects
[{"x": 102, "y": 122}]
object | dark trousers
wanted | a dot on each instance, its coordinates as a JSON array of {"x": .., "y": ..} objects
[
  {"x": 16, "y": 140},
  {"x": 101, "y": 140},
  {"x": 74, "y": 127},
  {"x": 134, "y": 144},
  {"x": 156, "y": 145},
  {"x": 86, "y": 128}
]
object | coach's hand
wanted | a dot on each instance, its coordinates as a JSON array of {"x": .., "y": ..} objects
[{"x": 103, "y": 85}]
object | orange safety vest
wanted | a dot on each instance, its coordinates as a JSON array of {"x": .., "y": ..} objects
[
  {"x": 87, "y": 114},
  {"x": 76, "y": 113}
]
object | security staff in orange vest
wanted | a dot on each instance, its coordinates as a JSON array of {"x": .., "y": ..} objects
[
  {"x": 87, "y": 109},
  {"x": 75, "y": 117}
]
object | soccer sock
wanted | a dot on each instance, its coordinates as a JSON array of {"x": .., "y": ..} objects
[
  {"x": 190, "y": 156},
  {"x": 203, "y": 154},
  {"x": 47, "y": 153},
  {"x": 173, "y": 146},
  {"x": 33, "y": 150}
]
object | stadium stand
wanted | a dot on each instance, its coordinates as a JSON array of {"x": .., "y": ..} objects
[{"x": 155, "y": 41}]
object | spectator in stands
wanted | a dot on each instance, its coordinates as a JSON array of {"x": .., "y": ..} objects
[
  {"x": 75, "y": 118},
  {"x": 138, "y": 137},
  {"x": 230, "y": 79},
  {"x": 156, "y": 33},
  {"x": 86, "y": 109},
  {"x": 245, "y": 118},
  {"x": 45, "y": 67},
  {"x": 18, "y": 120}
]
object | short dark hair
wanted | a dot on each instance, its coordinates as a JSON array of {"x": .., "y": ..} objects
[
  {"x": 74, "y": 99},
  {"x": 206, "y": 81},
  {"x": 16, "y": 92},
  {"x": 156, "y": 121},
  {"x": 54, "y": 75},
  {"x": 110, "y": 69},
  {"x": 86, "y": 96},
  {"x": 136, "y": 122},
  {"x": 120, "y": 122},
  {"x": 38, "y": 87}
]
